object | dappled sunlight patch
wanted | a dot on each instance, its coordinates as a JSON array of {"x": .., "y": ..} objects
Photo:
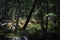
[{"x": 33, "y": 28}]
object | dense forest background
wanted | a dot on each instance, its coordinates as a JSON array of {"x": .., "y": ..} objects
[{"x": 30, "y": 16}]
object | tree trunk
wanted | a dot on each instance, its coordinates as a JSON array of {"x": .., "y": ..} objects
[{"x": 30, "y": 14}]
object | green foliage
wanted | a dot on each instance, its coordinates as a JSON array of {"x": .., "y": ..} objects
[
  {"x": 33, "y": 28},
  {"x": 11, "y": 8}
]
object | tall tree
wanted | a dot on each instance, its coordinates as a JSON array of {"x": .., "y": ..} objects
[{"x": 30, "y": 14}]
